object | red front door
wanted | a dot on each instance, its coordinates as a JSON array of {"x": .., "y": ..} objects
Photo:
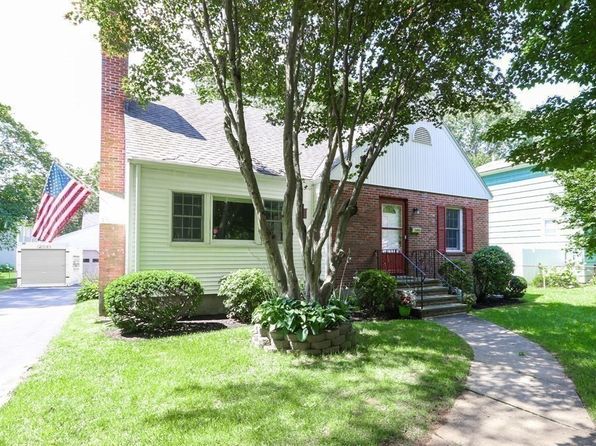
[{"x": 392, "y": 238}]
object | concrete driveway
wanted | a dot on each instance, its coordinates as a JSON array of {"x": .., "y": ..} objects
[{"x": 29, "y": 319}]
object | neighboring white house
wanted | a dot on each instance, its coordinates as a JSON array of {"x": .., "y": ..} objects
[{"x": 523, "y": 220}]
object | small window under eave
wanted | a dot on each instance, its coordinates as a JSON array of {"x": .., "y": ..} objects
[{"x": 422, "y": 136}]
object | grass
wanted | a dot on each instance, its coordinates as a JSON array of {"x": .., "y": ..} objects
[
  {"x": 7, "y": 280},
  {"x": 564, "y": 322},
  {"x": 214, "y": 388}
]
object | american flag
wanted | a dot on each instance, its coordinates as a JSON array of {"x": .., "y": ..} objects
[{"x": 62, "y": 196}]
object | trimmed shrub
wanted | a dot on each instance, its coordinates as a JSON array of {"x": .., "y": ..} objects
[
  {"x": 243, "y": 291},
  {"x": 492, "y": 268},
  {"x": 6, "y": 268},
  {"x": 151, "y": 301},
  {"x": 556, "y": 277},
  {"x": 375, "y": 291},
  {"x": 456, "y": 278},
  {"x": 300, "y": 317},
  {"x": 89, "y": 290},
  {"x": 516, "y": 288}
]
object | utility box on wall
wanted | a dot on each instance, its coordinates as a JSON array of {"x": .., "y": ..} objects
[{"x": 41, "y": 264}]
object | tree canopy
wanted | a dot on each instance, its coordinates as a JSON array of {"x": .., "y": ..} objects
[
  {"x": 555, "y": 42},
  {"x": 470, "y": 130},
  {"x": 579, "y": 207},
  {"x": 347, "y": 73},
  {"x": 23, "y": 166}
]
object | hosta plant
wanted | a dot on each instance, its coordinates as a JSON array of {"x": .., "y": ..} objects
[{"x": 300, "y": 317}]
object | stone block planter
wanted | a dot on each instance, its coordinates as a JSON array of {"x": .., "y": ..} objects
[{"x": 331, "y": 341}]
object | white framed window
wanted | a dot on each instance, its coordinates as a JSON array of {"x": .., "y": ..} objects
[
  {"x": 187, "y": 217},
  {"x": 454, "y": 234},
  {"x": 391, "y": 227},
  {"x": 274, "y": 214},
  {"x": 551, "y": 228},
  {"x": 233, "y": 219}
]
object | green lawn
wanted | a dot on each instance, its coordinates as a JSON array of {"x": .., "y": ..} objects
[
  {"x": 564, "y": 322},
  {"x": 7, "y": 280},
  {"x": 215, "y": 389}
]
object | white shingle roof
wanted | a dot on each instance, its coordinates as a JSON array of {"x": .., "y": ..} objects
[{"x": 179, "y": 129}]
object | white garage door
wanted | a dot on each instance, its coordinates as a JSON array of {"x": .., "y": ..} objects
[{"x": 43, "y": 267}]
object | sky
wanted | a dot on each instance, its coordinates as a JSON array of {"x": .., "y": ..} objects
[{"x": 50, "y": 76}]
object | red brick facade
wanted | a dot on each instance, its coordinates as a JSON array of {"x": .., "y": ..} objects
[
  {"x": 112, "y": 254},
  {"x": 112, "y": 237},
  {"x": 113, "y": 70},
  {"x": 363, "y": 239}
]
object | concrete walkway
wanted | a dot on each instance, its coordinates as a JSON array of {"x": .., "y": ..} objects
[
  {"x": 516, "y": 393},
  {"x": 29, "y": 319}
]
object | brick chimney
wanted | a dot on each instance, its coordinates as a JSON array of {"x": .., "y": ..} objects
[{"x": 112, "y": 209}]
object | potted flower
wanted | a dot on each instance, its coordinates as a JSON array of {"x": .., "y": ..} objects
[{"x": 407, "y": 300}]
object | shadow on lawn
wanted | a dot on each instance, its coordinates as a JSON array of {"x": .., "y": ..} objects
[{"x": 362, "y": 390}]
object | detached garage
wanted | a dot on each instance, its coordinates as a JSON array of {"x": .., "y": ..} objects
[{"x": 44, "y": 265}]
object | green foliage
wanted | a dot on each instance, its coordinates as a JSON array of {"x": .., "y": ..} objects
[
  {"x": 578, "y": 207},
  {"x": 89, "y": 290},
  {"x": 470, "y": 300},
  {"x": 556, "y": 277},
  {"x": 151, "y": 301},
  {"x": 555, "y": 42},
  {"x": 492, "y": 268},
  {"x": 375, "y": 291},
  {"x": 23, "y": 166},
  {"x": 91, "y": 178},
  {"x": 301, "y": 317},
  {"x": 470, "y": 129},
  {"x": 458, "y": 276},
  {"x": 244, "y": 290},
  {"x": 6, "y": 268},
  {"x": 516, "y": 288}
]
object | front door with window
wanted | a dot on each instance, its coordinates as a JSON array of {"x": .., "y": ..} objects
[{"x": 392, "y": 238}]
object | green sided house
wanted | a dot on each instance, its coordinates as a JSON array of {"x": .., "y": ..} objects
[{"x": 173, "y": 196}]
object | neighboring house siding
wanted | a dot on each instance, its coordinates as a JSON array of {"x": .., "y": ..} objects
[
  {"x": 439, "y": 168},
  {"x": 363, "y": 239},
  {"x": 522, "y": 220},
  {"x": 209, "y": 260}
]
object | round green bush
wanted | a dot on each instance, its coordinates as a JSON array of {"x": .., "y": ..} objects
[
  {"x": 516, "y": 288},
  {"x": 89, "y": 290},
  {"x": 492, "y": 268},
  {"x": 243, "y": 291},
  {"x": 375, "y": 291},
  {"x": 457, "y": 278},
  {"x": 151, "y": 301}
]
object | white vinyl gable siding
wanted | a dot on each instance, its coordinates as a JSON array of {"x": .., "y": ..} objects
[
  {"x": 523, "y": 221},
  {"x": 210, "y": 259},
  {"x": 440, "y": 167}
]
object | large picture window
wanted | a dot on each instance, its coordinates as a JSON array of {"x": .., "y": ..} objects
[
  {"x": 453, "y": 229},
  {"x": 187, "y": 217},
  {"x": 233, "y": 219},
  {"x": 274, "y": 212}
]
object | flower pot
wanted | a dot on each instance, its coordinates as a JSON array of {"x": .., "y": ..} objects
[{"x": 404, "y": 311}]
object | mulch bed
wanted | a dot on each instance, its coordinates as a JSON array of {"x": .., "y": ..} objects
[{"x": 199, "y": 325}]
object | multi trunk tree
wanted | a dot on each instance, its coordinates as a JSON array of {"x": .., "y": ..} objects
[{"x": 349, "y": 74}]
